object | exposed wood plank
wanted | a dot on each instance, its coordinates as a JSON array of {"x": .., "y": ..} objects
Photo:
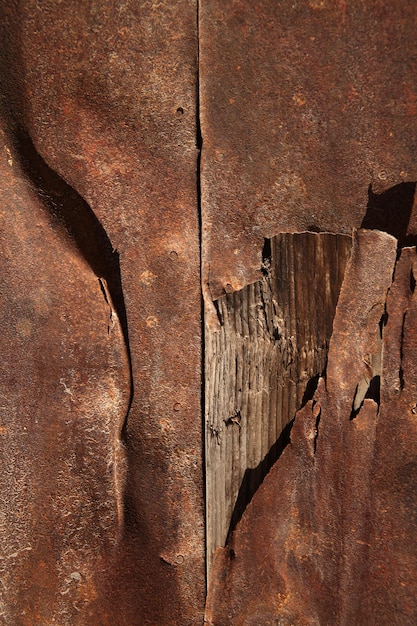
[{"x": 273, "y": 339}]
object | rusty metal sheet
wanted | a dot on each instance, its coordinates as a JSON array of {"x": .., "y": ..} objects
[
  {"x": 330, "y": 536},
  {"x": 64, "y": 389},
  {"x": 304, "y": 107},
  {"x": 107, "y": 93}
]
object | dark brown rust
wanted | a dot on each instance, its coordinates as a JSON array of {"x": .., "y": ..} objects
[
  {"x": 65, "y": 389},
  {"x": 307, "y": 111}
]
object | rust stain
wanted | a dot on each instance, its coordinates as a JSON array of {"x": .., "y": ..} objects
[{"x": 306, "y": 110}]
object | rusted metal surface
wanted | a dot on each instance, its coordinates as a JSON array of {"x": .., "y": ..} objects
[
  {"x": 65, "y": 389},
  {"x": 263, "y": 365},
  {"x": 330, "y": 536},
  {"x": 107, "y": 93},
  {"x": 304, "y": 106}
]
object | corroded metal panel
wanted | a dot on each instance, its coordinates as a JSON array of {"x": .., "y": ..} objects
[
  {"x": 308, "y": 124},
  {"x": 307, "y": 111},
  {"x": 330, "y": 536},
  {"x": 107, "y": 93},
  {"x": 65, "y": 388},
  {"x": 304, "y": 107}
]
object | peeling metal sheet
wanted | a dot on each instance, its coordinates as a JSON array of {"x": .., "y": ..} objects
[
  {"x": 329, "y": 537},
  {"x": 308, "y": 110},
  {"x": 304, "y": 107}
]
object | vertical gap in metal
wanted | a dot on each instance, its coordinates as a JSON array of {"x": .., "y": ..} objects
[{"x": 199, "y": 142}]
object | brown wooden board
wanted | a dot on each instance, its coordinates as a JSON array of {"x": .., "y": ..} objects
[{"x": 263, "y": 365}]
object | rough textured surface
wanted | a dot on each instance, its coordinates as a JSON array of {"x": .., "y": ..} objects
[
  {"x": 65, "y": 390},
  {"x": 107, "y": 94},
  {"x": 263, "y": 365},
  {"x": 329, "y": 537},
  {"x": 304, "y": 106}
]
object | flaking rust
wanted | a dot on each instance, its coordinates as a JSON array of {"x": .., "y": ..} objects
[
  {"x": 329, "y": 538},
  {"x": 307, "y": 111}
]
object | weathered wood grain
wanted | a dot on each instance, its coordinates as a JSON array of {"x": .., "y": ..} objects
[{"x": 261, "y": 364}]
